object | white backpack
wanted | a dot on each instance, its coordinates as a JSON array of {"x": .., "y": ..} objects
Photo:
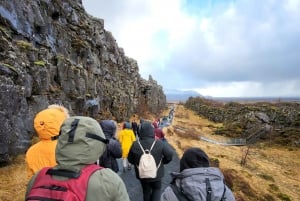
[{"x": 147, "y": 166}]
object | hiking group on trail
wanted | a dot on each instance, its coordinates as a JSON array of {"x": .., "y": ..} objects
[{"x": 77, "y": 159}]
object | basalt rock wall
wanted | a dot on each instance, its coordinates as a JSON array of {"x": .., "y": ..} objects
[{"x": 53, "y": 52}]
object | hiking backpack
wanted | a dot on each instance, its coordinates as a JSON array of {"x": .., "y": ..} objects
[
  {"x": 182, "y": 197},
  {"x": 73, "y": 189},
  {"x": 147, "y": 165}
]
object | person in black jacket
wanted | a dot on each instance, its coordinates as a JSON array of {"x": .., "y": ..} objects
[
  {"x": 161, "y": 152},
  {"x": 113, "y": 148},
  {"x": 134, "y": 127}
]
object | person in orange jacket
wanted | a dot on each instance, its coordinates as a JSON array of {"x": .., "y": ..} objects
[
  {"x": 126, "y": 138},
  {"x": 47, "y": 125}
]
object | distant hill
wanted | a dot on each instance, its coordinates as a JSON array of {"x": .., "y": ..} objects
[{"x": 174, "y": 95}]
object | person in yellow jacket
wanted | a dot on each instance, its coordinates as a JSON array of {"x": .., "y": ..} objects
[
  {"x": 126, "y": 138},
  {"x": 47, "y": 125}
]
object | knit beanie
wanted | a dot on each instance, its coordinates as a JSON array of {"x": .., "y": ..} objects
[
  {"x": 146, "y": 129},
  {"x": 48, "y": 121},
  {"x": 193, "y": 158}
]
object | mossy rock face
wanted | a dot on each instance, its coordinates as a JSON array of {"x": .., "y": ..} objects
[
  {"x": 256, "y": 119},
  {"x": 55, "y": 56}
]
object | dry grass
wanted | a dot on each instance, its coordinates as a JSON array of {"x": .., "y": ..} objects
[
  {"x": 270, "y": 174},
  {"x": 13, "y": 180}
]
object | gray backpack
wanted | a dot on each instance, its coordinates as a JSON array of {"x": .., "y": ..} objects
[{"x": 182, "y": 197}]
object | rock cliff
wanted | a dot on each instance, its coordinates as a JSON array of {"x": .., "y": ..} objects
[
  {"x": 278, "y": 123},
  {"x": 52, "y": 51}
]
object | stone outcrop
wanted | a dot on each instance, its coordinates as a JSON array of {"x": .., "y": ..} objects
[
  {"x": 277, "y": 122},
  {"x": 52, "y": 51}
]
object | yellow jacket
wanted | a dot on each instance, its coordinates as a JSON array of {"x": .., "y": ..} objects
[
  {"x": 126, "y": 138},
  {"x": 47, "y": 125}
]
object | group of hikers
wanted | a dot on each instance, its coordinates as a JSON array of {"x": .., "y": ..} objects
[{"x": 76, "y": 159}]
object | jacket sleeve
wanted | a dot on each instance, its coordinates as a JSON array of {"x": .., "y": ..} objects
[
  {"x": 229, "y": 195},
  {"x": 167, "y": 153},
  {"x": 132, "y": 154},
  {"x": 106, "y": 185},
  {"x": 115, "y": 149},
  {"x": 168, "y": 195}
]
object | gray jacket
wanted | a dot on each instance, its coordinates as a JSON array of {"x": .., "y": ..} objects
[{"x": 192, "y": 183}]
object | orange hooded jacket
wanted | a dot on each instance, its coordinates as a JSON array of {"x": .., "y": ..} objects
[{"x": 47, "y": 125}]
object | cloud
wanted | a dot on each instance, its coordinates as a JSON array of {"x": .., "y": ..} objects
[{"x": 221, "y": 48}]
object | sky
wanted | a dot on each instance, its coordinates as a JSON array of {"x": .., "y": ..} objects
[{"x": 219, "y": 48}]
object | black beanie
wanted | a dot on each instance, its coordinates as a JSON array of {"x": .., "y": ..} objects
[
  {"x": 146, "y": 129},
  {"x": 193, "y": 158}
]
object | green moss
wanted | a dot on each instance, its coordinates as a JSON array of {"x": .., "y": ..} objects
[
  {"x": 24, "y": 45},
  {"x": 60, "y": 57},
  {"x": 6, "y": 32},
  {"x": 273, "y": 187},
  {"x": 79, "y": 43},
  {"x": 283, "y": 197},
  {"x": 10, "y": 67},
  {"x": 40, "y": 63},
  {"x": 266, "y": 177}
]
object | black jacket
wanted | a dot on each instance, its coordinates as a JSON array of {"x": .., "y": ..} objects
[
  {"x": 113, "y": 148},
  {"x": 161, "y": 151}
]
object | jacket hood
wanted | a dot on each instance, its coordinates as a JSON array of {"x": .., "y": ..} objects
[
  {"x": 155, "y": 124},
  {"x": 146, "y": 130},
  {"x": 47, "y": 122},
  {"x": 199, "y": 172},
  {"x": 194, "y": 158},
  {"x": 81, "y": 142},
  {"x": 109, "y": 128},
  {"x": 127, "y": 125}
]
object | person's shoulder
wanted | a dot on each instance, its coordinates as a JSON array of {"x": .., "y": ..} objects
[{"x": 105, "y": 173}]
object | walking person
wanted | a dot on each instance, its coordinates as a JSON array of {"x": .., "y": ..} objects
[
  {"x": 46, "y": 124},
  {"x": 196, "y": 180},
  {"x": 159, "y": 134},
  {"x": 126, "y": 138},
  {"x": 80, "y": 144},
  {"x": 134, "y": 127},
  {"x": 113, "y": 148},
  {"x": 162, "y": 154}
]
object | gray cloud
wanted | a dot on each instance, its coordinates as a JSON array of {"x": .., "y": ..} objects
[{"x": 238, "y": 44}]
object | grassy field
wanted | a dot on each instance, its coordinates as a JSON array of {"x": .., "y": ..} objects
[{"x": 270, "y": 173}]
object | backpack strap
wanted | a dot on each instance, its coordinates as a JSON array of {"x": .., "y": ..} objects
[
  {"x": 208, "y": 189},
  {"x": 223, "y": 198},
  {"x": 151, "y": 150},
  {"x": 179, "y": 194},
  {"x": 152, "y": 145},
  {"x": 63, "y": 172},
  {"x": 141, "y": 146}
]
